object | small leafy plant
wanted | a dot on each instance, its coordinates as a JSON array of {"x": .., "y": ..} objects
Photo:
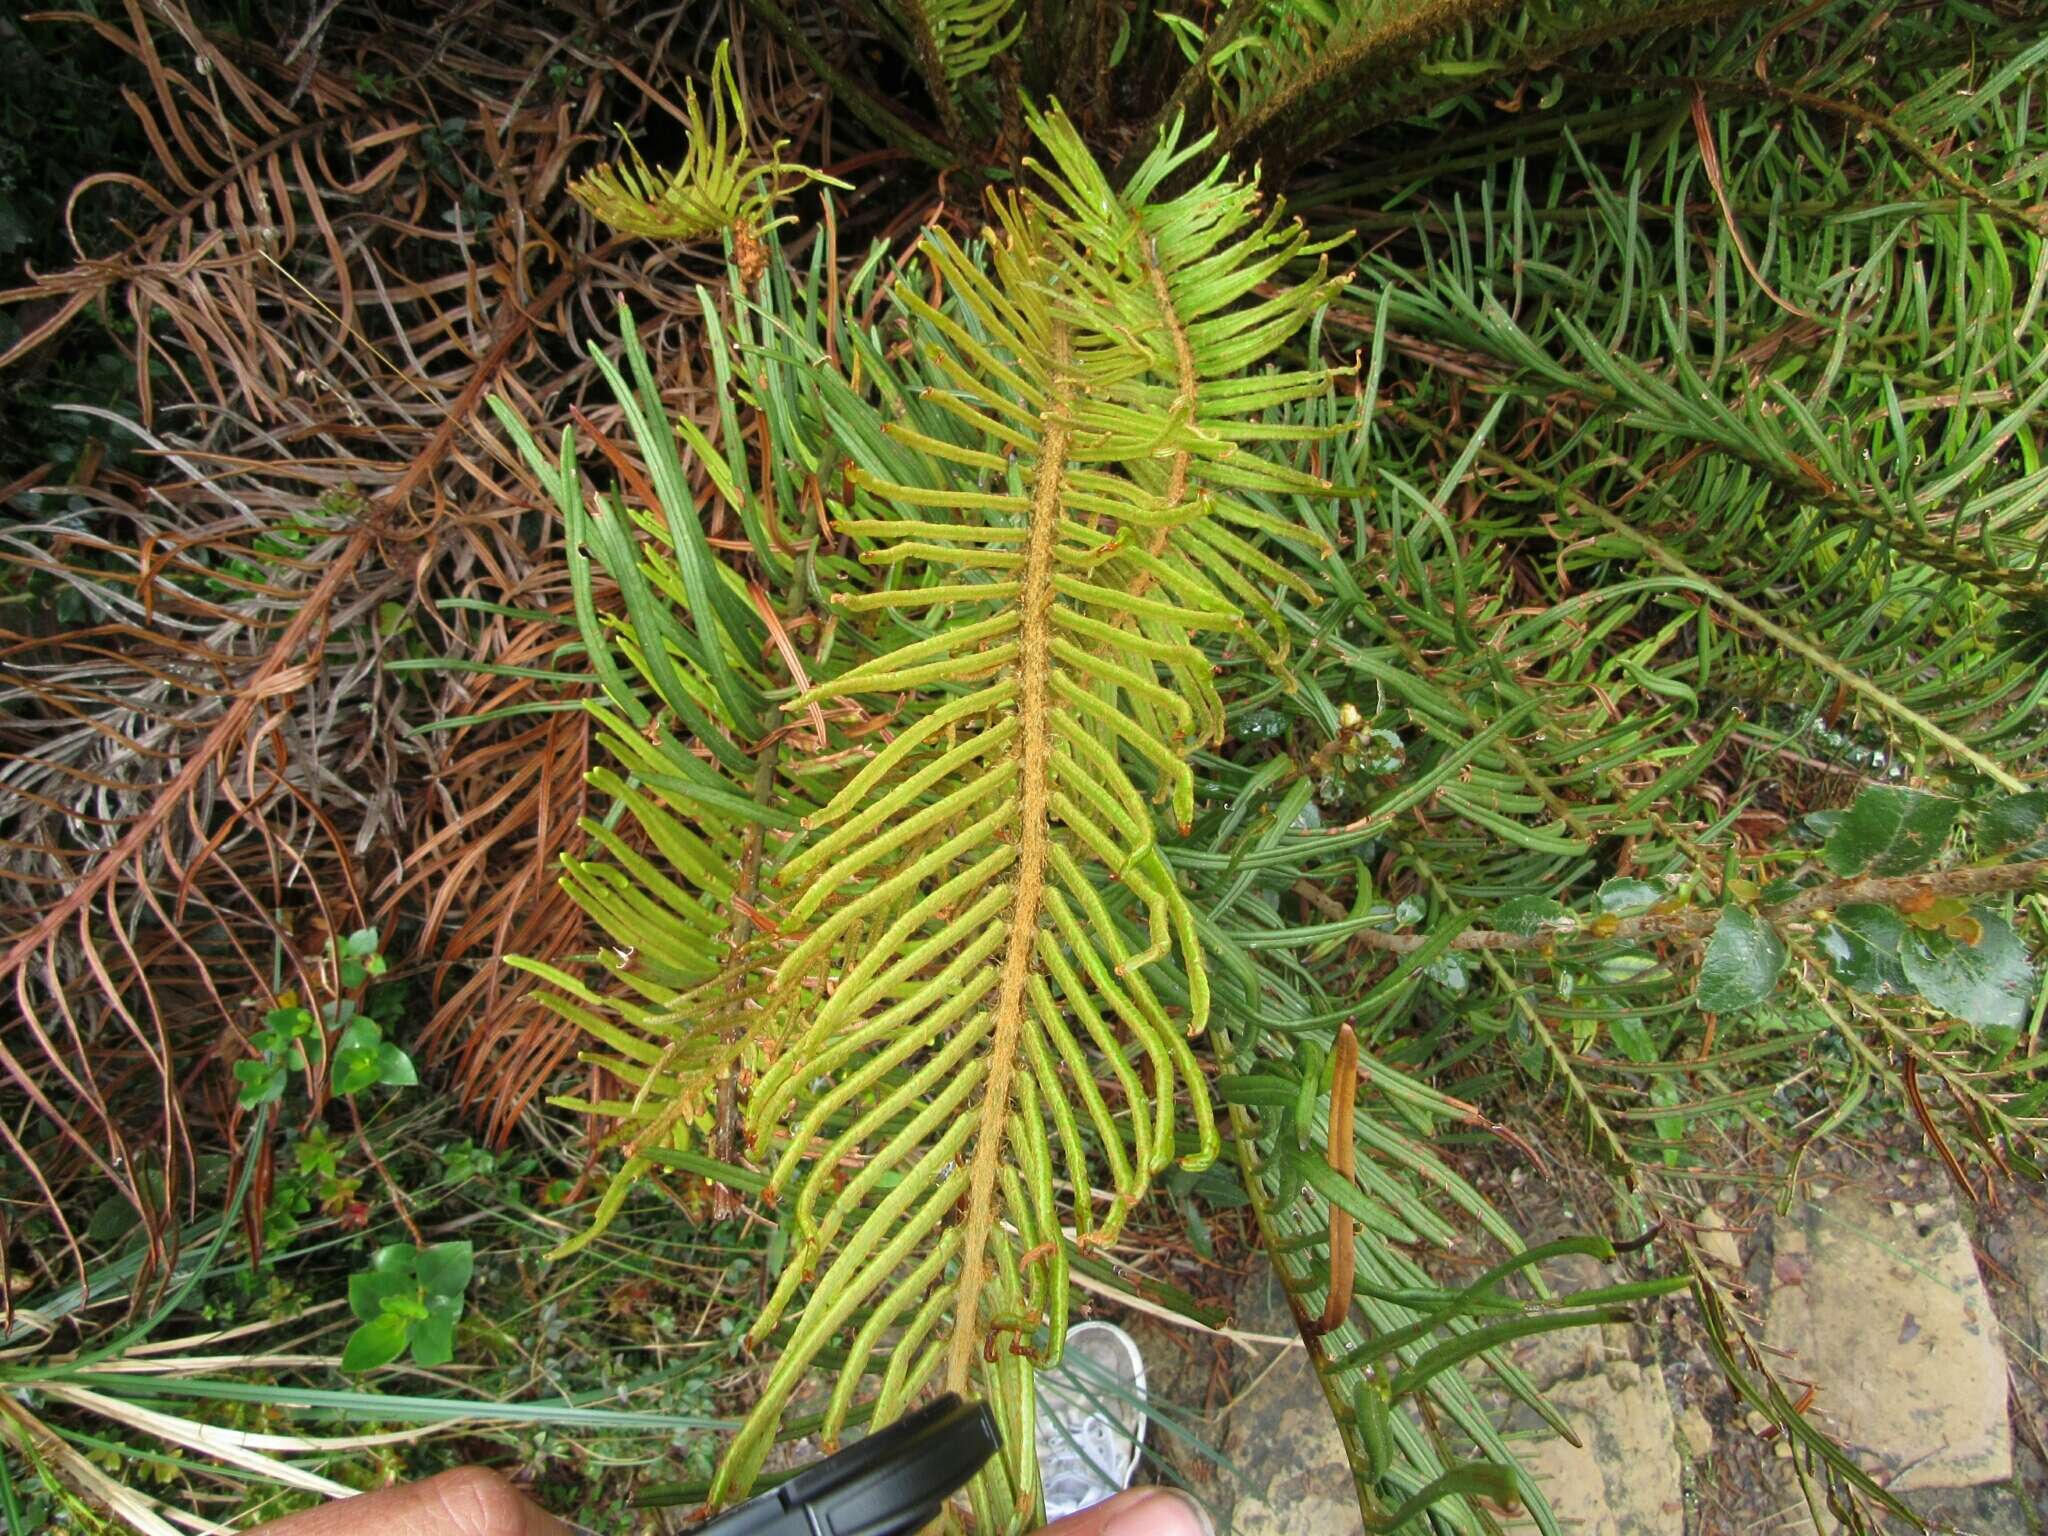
[
  {"x": 410, "y": 1298},
  {"x": 341, "y": 1042}
]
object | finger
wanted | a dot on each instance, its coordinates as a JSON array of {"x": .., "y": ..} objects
[
  {"x": 470, "y": 1501},
  {"x": 1139, "y": 1512}
]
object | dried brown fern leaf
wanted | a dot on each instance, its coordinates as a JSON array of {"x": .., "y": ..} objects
[
  {"x": 157, "y": 830},
  {"x": 205, "y": 775}
]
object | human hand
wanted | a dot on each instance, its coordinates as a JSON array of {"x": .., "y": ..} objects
[{"x": 472, "y": 1501}]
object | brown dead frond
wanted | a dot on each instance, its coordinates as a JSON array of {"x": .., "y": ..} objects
[{"x": 205, "y": 766}]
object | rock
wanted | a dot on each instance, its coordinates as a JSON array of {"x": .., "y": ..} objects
[
  {"x": 1549, "y": 1357},
  {"x": 2027, "y": 1236},
  {"x": 1181, "y": 1371},
  {"x": 1297, "y": 1481},
  {"x": 2000, "y": 1511},
  {"x": 1716, "y": 1241},
  {"x": 1890, "y": 1321},
  {"x": 1695, "y": 1433},
  {"x": 1624, "y": 1480}
]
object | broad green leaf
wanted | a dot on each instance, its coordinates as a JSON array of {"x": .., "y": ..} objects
[
  {"x": 1823, "y": 823},
  {"x": 1890, "y": 832},
  {"x": 378, "y": 1342},
  {"x": 444, "y": 1269},
  {"x": 1742, "y": 963},
  {"x": 358, "y": 1058},
  {"x": 1623, "y": 895},
  {"x": 1448, "y": 970},
  {"x": 1861, "y": 946},
  {"x": 2016, "y": 824},
  {"x": 433, "y": 1338},
  {"x": 288, "y": 1022},
  {"x": 1633, "y": 1039},
  {"x": 1988, "y": 984},
  {"x": 395, "y": 1259},
  {"x": 112, "y": 1219},
  {"x": 262, "y": 1083},
  {"x": 354, "y": 1071},
  {"x": 395, "y": 1068},
  {"x": 369, "y": 1289},
  {"x": 1528, "y": 914}
]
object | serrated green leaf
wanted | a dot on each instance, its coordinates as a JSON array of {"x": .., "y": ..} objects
[
  {"x": 1742, "y": 963},
  {"x": 1988, "y": 984},
  {"x": 1624, "y": 895},
  {"x": 1528, "y": 915},
  {"x": 1890, "y": 832},
  {"x": 1861, "y": 946},
  {"x": 2016, "y": 824}
]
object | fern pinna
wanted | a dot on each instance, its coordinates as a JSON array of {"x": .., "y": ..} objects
[{"x": 957, "y": 1035}]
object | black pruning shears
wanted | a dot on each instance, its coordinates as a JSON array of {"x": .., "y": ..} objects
[{"x": 891, "y": 1483}]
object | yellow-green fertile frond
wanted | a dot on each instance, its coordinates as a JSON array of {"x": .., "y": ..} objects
[
  {"x": 983, "y": 913},
  {"x": 719, "y": 185}
]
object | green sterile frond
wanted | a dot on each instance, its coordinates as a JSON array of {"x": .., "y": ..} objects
[
  {"x": 982, "y": 911},
  {"x": 965, "y": 36},
  {"x": 675, "y": 1006},
  {"x": 1294, "y": 79},
  {"x": 954, "y": 43},
  {"x": 719, "y": 185}
]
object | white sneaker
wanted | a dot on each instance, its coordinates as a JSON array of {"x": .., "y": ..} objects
[{"x": 1091, "y": 1419}]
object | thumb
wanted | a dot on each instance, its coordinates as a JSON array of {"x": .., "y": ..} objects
[
  {"x": 469, "y": 1501},
  {"x": 1139, "y": 1512}
]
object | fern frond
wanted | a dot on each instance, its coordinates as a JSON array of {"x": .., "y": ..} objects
[
  {"x": 719, "y": 185},
  {"x": 1294, "y": 79},
  {"x": 1075, "y": 488},
  {"x": 956, "y": 40},
  {"x": 668, "y": 878}
]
